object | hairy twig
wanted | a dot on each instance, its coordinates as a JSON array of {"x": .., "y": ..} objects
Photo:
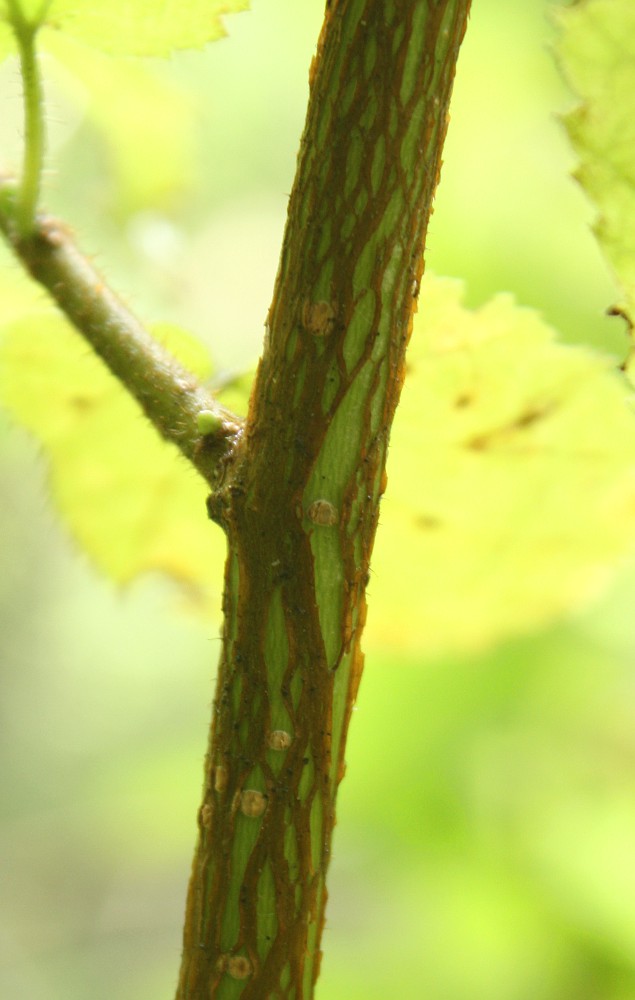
[{"x": 181, "y": 409}]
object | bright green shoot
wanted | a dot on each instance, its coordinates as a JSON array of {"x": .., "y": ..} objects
[{"x": 25, "y": 30}]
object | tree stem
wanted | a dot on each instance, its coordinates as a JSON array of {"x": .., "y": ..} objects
[{"x": 300, "y": 506}]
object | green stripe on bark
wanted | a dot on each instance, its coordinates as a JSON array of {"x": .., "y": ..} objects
[{"x": 300, "y": 503}]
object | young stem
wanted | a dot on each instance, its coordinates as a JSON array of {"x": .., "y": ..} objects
[
  {"x": 34, "y": 139},
  {"x": 301, "y": 504}
]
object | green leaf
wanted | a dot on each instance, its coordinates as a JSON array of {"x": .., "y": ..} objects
[
  {"x": 596, "y": 51},
  {"x": 136, "y": 27},
  {"x": 130, "y": 501},
  {"x": 511, "y": 480}
]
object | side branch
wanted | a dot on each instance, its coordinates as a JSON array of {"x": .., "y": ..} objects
[{"x": 180, "y": 408}]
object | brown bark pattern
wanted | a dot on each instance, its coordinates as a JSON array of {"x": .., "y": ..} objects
[{"x": 300, "y": 505}]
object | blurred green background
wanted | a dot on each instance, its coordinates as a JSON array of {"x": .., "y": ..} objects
[{"x": 486, "y": 827}]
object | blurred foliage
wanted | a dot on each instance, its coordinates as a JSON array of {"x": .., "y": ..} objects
[
  {"x": 486, "y": 826},
  {"x": 124, "y": 27},
  {"x": 597, "y": 52},
  {"x": 509, "y": 501},
  {"x": 131, "y": 110},
  {"x": 129, "y": 516}
]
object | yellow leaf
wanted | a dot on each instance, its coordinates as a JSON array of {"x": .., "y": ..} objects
[
  {"x": 129, "y": 499},
  {"x": 511, "y": 480}
]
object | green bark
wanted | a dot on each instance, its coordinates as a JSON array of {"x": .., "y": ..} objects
[{"x": 300, "y": 501}]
